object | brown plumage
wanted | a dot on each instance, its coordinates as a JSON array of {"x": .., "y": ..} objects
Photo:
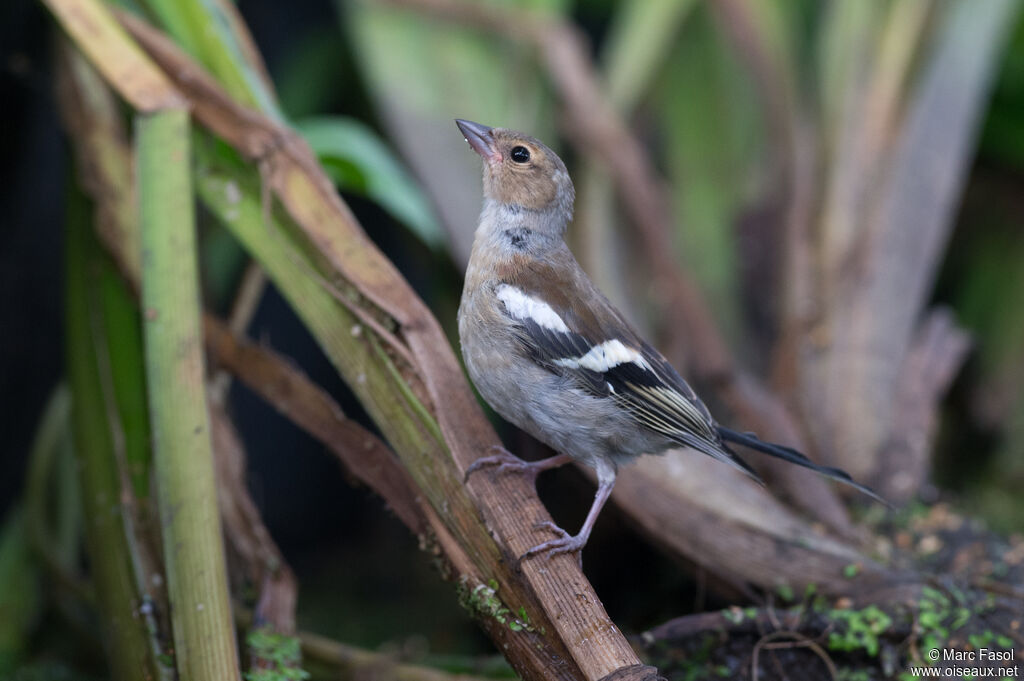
[{"x": 528, "y": 184}]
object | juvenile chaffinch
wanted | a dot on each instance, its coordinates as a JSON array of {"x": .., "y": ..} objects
[{"x": 550, "y": 354}]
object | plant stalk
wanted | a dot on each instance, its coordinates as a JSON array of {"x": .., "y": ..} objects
[
  {"x": 130, "y": 650},
  {"x": 204, "y": 634}
]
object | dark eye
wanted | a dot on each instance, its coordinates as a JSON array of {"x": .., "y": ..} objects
[{"x": 520, "y": 154}]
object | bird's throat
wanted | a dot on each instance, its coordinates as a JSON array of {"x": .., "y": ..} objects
[{"x": 512, "y": 227}]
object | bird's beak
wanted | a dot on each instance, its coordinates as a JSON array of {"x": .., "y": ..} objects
[{"x": 481, "y": 138}]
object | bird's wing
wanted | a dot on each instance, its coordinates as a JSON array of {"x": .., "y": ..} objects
[{"x": 600, "y": 351}]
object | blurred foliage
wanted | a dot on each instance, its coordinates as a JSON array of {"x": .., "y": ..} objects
[
  {"x": 359, "y": 162},
  {"x": 19, "y": 592},
  {"x": 718, "y": 175},
  {"x": 427, "y": 66},
  {"x": 1002, "y": 137}
]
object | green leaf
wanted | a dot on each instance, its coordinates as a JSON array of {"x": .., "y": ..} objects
[
  {"x": 19, "y": 591},
  {"x": 91, "y": 354},
  {"x": 122, "y": 328},
  {"x": 359, "y": 162}
]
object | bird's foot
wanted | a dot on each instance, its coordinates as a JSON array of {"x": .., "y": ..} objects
[
  {"x": 565, "y": 543},
  {"x": 505, "y": 461}
]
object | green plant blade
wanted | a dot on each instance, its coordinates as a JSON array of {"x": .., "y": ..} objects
[
  {"x": 359, "y": 162},
  {"x": 88, "y": 360},
  {"x": 19, "y": 591}
]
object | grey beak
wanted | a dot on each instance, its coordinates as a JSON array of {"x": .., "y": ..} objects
[{"x": 480, "y": 137}]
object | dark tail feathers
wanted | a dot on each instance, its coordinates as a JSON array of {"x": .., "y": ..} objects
[{"x": 792, "y": 456}]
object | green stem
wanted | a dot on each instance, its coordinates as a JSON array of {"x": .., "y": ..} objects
[
  {"x": 203, "y": 29},
  {"x": 421, "y": 411},
  {"x": 204, "y": 634},
  {"x": 124, "y": 630}
]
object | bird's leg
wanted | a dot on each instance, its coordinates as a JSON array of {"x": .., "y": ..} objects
[
  {"x": 567, "y": 543},
  {"x": 507, "y": 462}
]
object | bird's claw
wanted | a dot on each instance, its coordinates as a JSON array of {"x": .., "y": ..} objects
[
  {"x": 505, "y": 461},
  {"x": 565, "y": 543}
]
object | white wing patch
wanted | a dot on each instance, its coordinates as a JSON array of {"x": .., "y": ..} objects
[
  {"x": 600, "y": 358},
  {"x": 522, "y": 306},
  {"x": 605, "y": 356}
]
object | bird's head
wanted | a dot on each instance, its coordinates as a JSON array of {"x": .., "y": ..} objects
[{"x": 520, "y": 171}]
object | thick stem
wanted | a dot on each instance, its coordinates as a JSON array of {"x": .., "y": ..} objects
[{"x": 197, "y": 578}]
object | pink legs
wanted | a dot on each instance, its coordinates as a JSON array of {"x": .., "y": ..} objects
[
  {"x": 565, "y": 542},
  {"x": 507, "y": 462}
]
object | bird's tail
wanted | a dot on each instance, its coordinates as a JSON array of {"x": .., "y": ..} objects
[{"x": 792, "y": 456}]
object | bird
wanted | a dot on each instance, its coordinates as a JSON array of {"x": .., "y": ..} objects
[{"x": 550, "y": 354}]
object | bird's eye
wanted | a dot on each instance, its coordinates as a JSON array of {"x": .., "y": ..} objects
[{"x": 520, "y": 154}]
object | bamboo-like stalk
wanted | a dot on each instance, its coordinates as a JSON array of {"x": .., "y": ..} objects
[
  {"x": 130, "y": 651},
  {"x": 186, "y": 488},
  {"x": 103, "y": 154}
]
